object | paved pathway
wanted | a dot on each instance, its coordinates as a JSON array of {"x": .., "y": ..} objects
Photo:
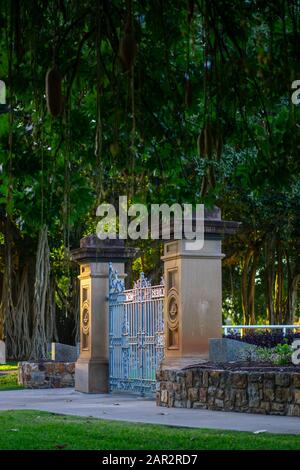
[{"x": 137, "y": 409}]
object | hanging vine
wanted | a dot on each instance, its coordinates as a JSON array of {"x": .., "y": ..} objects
[
  {"x": 128, "y": 52},
  {"x": 98, "y": 133},
  {"x": 8, "y": 311}
]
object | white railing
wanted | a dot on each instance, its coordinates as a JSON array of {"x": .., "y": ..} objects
[{"x": 284, "y": 328}]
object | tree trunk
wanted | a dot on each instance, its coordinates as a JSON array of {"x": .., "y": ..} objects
[
  {"x": 292, "y": 298},
  {"x": 244, "y": 284},
  {"x": 41, "y": 303},
  {"x": 269, "y": 280},
  {"x": 251, "y": 291},
  {"x": 279, "y": 287}
]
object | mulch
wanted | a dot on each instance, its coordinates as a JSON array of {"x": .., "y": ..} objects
[{"x": 245, "y": 366}]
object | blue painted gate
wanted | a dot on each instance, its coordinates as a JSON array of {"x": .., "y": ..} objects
[{"x": 136, "y": 337}]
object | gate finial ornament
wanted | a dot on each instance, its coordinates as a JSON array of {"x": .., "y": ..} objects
[{"x": 116, "y": 284}]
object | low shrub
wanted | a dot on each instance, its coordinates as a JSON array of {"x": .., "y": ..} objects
[
  {"x": 279, "y": 355},
  {"x": 265, "y": 339}
]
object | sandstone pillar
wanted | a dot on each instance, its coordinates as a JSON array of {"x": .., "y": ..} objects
[
  {"x": 93, "y": 256},
  {"x": 193, "y": 294}
]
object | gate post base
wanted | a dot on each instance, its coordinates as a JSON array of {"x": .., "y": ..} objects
[{"x": 91, "y": 376}]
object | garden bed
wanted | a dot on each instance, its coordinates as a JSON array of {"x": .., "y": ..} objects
[
  {"x": 245, "y": 365},
  {"x": 266, "y": 339}
]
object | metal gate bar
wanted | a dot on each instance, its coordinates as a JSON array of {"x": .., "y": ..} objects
[{"x": 136, "y": 334}]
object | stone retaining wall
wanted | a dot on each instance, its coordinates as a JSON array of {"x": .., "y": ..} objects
[
  {"x": 46, "y": 374},
  {"x": 276, "y": 393}
]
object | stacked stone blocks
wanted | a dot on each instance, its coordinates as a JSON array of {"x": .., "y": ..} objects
[
  {"x": 46, "y": 374},
  {"x": 276, "y": 393}
]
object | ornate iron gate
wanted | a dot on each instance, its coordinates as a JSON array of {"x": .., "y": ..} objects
[{"x": 136, "y": 338}]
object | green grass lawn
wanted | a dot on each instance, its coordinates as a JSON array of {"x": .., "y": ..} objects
[
  {"x": 9, "y": 366},
  {"x": 40, "y": 430},
  {"x": 9, "y": 382}
]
